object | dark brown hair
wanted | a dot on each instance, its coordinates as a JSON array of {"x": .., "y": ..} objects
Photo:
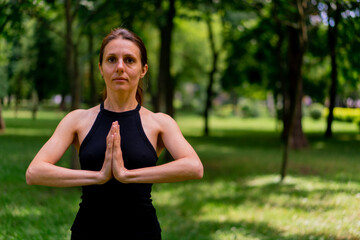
[{"x": 127, "y": 35}]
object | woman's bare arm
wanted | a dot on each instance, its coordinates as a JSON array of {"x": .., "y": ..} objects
[
  {"x": 43, "y": 171},
  {"x": 186, "y": 165}
]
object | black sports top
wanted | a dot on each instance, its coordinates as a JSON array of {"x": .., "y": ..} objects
[{"x": 115, "y": 210}]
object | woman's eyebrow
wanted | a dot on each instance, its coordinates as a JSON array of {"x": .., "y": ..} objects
[
  {"x": 126, "y": 54},
  {"x": 129, "y": 55}
]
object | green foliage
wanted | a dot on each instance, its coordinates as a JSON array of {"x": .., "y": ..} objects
[
  {"x": 249, "y": 108},
  {"x": 46, "y": 74},
  {"x": 3, "y": 82},
  {"x": 345, "y": 114},
  {"x": 246, "y": 34},
  {"x": 226, "y": 110},
  {"x": 190, "y": 52},
  {"x": 316, "y": 111},
  {"x": 357, "y": 122}
]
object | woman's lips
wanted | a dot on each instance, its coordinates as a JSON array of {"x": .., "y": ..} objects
[{"x": 120, "y": 79}]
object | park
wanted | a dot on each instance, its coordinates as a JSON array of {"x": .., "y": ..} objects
[
  {"x": 239, "y": 198},
  {"x": 266, "y": 92}
]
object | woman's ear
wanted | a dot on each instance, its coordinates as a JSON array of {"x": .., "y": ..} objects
[
  {"x": 101, "y": 72},
  {"x": 144, "y": 71}
]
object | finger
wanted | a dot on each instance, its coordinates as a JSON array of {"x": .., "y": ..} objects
[
  {"x": 116, "y": 146},
  {"x": 118, "y": 137},
  {"x": 113, "y": 127},
  {"x": 109, "y": 140},
  {"x": 109, "y": 148},
  {"x": 111, "y": 132}
]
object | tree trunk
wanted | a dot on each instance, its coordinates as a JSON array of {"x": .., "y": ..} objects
[
  {"x": 209, "y": 91},
  {"x": 92, "y": 82},
  {"x": 281, "y": 69},
  {"x": 71, "y": 68},
  {"x": 296, "y": 51},
  {"x": 35, "y": 102},
  {"x": 2, "y": 122},
  {"x": 70, "y": 58},
  {"x": 62, "y": 105},
  {"x": 18, "y": 90},
  {"x": 68, "y": 45},
  {"x": 332, "y": 39},
  {"x": 298, "y": 139},
  {"x": 166, "y": 85},
  {"x": 294, "y": 136},
  {"x": 77, "y": 89}
]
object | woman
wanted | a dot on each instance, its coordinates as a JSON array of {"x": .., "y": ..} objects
[{"x": 119, "y": 142}]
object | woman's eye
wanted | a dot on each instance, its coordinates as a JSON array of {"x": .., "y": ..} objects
[
  {"x": 111, "y": 59},
  {"x": 129, "y": 60}
]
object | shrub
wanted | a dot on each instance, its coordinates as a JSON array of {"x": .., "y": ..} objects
[
  {"x": 345, "y": 114},
  {"x": 316, "y": 111},
  {"x": 249, "y": 109},
  {"x": 226, "y": 110},
  {"x": 357, "y": 122}
]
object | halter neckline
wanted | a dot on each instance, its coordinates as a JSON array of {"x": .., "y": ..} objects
[{"x": 118, "y": 114}]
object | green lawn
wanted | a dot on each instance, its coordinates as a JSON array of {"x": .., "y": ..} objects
[{"x": 239, "y": 197}]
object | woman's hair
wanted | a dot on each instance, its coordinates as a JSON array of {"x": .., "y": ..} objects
[{"x": 130, "y": 36}]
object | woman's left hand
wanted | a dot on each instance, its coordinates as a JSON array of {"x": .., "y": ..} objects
[{"x": 118, "y": 167}]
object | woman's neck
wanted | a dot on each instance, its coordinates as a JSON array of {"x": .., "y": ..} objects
[{"x": 120, "y": 103}]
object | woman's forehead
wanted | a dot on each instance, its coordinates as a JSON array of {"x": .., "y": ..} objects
[{"x": 122, "y": 46}]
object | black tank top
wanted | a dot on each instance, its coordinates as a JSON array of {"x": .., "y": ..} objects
[{"x": 115, "y": 210}]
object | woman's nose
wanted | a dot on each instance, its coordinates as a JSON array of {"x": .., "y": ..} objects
[{"x": 120, "y": 66}]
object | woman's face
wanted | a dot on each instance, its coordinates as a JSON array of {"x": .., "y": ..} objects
[{"x": 121, "y": 66}]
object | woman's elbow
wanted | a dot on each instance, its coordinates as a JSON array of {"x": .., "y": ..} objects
[
  {"x": 198, "y": 171},
  {"x": 30, "y": 176}
]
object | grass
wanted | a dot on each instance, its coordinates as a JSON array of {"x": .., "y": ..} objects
[{"x": 239, "y": 197}]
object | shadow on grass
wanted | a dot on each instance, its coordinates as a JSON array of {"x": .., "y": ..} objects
[
  {"x": 34, "y": 212},
  {"x": 256, "y": 230},
  {"x": 183, "y": 218},
  {"x": 43, "y": 124},
  {"x": 239, "y": 153}
]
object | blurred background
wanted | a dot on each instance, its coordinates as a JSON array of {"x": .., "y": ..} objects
[{"x": 262, "y": 89}]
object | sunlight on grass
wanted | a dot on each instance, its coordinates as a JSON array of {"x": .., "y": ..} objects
[
  {"x": 18, "y": 211},
  {"x": 23, "y": 114},
  {"x": 193, "y": 125},
  {"x": 28, "y": 131},
  {"x": 260, "y": 208}
]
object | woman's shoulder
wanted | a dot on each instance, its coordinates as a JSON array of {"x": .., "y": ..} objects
[
  {"x": 82, "y": 114},
  {"x": 161, "y": 120},
  {"x": 78, "y": 117}
]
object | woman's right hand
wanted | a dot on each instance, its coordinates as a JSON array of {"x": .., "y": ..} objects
[{"x": 106, "y": 170}]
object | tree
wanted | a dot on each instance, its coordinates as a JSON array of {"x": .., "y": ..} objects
[
  {"x": 46, "y": 72},
  {"x": 287, "y": 23},
  {"x": 293, "y": 134},
  {"x": 166, "y": 85},
  {"x": 343, "y": 44},
  {"x": 11, "y": 15},
  {"x": 209, "y": 89},
  {"x": 333, "y": 22},
  {"x": 71, "y": 54}
]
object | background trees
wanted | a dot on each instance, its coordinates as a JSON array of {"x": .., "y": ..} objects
[{"x": 220, "y": 57}]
